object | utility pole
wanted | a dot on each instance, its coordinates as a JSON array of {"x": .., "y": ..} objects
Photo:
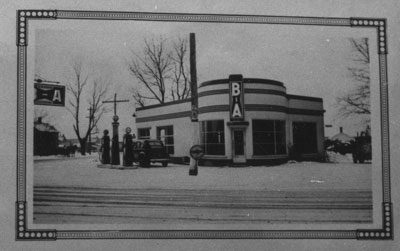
[
  {"x": 193, "y": 169},
  {"x": 115, "y": 142},
  {"x": 90, "y": 124}
]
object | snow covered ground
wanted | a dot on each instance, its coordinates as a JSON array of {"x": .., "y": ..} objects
[
  {"x": 303, "y": 175},
  {"x": 76, "y": 190}
]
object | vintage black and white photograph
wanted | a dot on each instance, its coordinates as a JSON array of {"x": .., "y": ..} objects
[
  {"x": 172, "y": 123},
  {"x": 199, "y": 125}
]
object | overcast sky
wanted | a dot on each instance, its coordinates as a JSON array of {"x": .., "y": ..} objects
[{"x": 310, "y": 61}]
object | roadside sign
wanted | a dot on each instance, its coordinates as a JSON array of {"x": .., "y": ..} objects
[
  {"x": 51, "y": 95},
  {"x": 196, "y": 152},
  {"x": 236, "y": 97}
]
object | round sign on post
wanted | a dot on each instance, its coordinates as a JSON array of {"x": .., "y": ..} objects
[{"x": 196, "y": 152}]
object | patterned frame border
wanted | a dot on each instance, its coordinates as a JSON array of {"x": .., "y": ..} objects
[{"x": 24, "y": 233}]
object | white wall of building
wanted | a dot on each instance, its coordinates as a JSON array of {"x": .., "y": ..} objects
[
  {"x": 183, "y": 127},
  {"x": 183, "y": 133},
  {"x": 217, "y": 99},
  {"x": 166, "y": 109}
]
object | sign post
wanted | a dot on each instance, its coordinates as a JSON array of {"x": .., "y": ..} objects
[{"x": 196, "y": 152}]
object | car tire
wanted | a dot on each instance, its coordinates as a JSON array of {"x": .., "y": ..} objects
[
  {"x": 354, "y": 158},
  {"x": 144, "y": 163}
]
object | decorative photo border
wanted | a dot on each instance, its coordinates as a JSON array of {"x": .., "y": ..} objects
[{"x": 23, "y": 232}]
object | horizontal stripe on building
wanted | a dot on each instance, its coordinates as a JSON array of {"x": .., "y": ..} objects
[
  {"x": 283, "y": 109},
  {"x": 298, "y": 97},
  {"x": 164, "y": 104},
  {"x": 226, "y": 91},
  {"x": 225, "y": 108},
  {"x": 256, "y": 91},
  {"x": 261, "y": 91},
  {"x": 245, "y": 80},
  {"x": 164, "y": 116}
]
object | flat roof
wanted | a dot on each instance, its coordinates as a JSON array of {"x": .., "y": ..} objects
[{"x": 245, "y": 80}]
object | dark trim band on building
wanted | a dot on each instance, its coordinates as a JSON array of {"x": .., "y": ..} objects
[
  {"x": 165, "y": 116},
  {"x": 248, "y": 90},
  {"x": 261, "y": 91},
  {"x": 245, "y": 80},
  {"x": 291, "y": 96},
  {"x": 213, "y": 92},
  {"x": 165, "y": 104},
  {"x": 305, "y": 112},
  {"x": 278, "y": 108},
  {"x": 225, "y": 108},
  {"x": 214, "y": 108}
]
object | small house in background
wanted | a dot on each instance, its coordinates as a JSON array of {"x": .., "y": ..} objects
[
  {"x": 45, "y": 138},
  {"x": 340, "y": 143},
  {"x": 342, "y": 137}
]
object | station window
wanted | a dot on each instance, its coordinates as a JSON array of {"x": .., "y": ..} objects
[
  {"x": 305, "y": 137},
  {"x": 166, "y": 135},
  {"x": 213, "y": 137},
  {"x": 144, "y": 133},
  {"x": 269, "y": 137}
]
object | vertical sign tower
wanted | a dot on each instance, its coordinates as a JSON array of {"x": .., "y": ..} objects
[{"x": 236, "y": 97}]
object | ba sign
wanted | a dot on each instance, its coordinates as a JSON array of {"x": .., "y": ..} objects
[
  {"x": 47, "y": 94},
  {"x": 236, "y": 97}
]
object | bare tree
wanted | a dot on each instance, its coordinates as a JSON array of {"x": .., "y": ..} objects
[
  {"x": 357, "y": 101},
  {"x": 97, "y": 109},
  {"x": 180, "y": 88},
  {"x": 161, "y": 71},
  {"x": 151, "y": 70},
  {"x": 76, "y": 86}
]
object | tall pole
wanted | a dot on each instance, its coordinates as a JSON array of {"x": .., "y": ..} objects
[
  {"x": 115, "y": 142},
  {"x": 90, "y": 124},
  {"x": 193, "y": 169},
  {"x": 115, "y": 160},
  {"x": 115, "y": 139}
]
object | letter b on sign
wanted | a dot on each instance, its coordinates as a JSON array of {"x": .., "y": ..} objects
[{"x": 235, "y": 89}]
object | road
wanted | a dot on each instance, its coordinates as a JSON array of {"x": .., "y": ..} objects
[
  {"x": 77, "y": 205},
  {"x": 82, "y": 193}
]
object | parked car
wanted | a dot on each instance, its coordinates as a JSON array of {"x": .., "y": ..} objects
[{"x": 150, "y": 151}]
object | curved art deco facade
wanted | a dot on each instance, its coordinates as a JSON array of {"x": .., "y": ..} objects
[{"x": 242, "y": 121}]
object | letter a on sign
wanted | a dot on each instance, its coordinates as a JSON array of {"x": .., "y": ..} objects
[
  {"x": 236, "y": 98},
  {"x": 236, "y": 111},
  {"x": 47, "y": 94},
  {"x": 57, "y": 96}
]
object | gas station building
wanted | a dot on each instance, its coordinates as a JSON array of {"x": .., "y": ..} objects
[{"x": 242, "y": 121}]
